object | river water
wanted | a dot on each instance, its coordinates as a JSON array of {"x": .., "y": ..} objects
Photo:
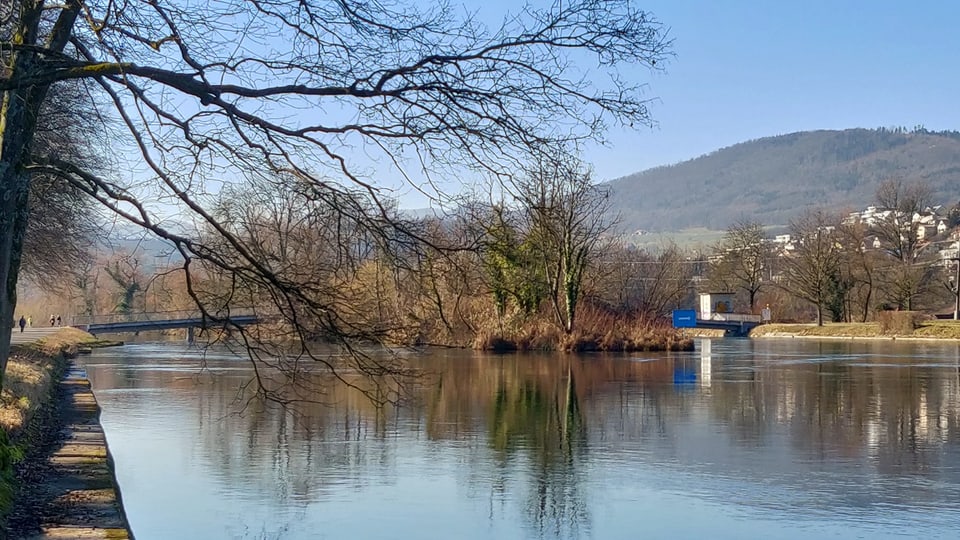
[{"x": 739, "y": 439}]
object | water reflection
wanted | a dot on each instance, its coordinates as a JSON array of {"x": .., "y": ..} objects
[{"x": 737, "y": 438}]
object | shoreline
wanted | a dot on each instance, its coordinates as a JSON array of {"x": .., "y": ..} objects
[
  {"x": 908, "y": 330},
  {"x": 66, "y": 485},
  {"x": 787, "y": 335}
]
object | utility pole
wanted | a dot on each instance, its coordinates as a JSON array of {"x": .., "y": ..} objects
[
  {"x": 956, "y": 291},
  {"x": 956, "y": 284}
]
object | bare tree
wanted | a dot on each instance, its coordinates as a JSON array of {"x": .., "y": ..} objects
[
  {"x": 201, "y": 92},
  {"x": 641, "y": 282},
  {"x": 128, "y": 278},
  {"x": 567, "y": 217},
  {"x": 83, "y": 285},
  {"x": 744, "y": 258},
  {"x": 861, "y": 264},
  {"x": 810, "y": 270},
  {"x": 898, "y": 231},
  {"x": 64, "y": 221},
  {"x": 898, "y": 228}
]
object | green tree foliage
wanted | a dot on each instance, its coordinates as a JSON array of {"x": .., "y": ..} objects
[
  {"x": 512, "y": 269},
  {"x": 839, "y": 288},
  {"x": 128, "y": 279}
]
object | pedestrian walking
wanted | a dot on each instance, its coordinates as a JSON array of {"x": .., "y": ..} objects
[
  {"x": 23, "y": 323},
  {"x": 58, "y": 320},
  {"x": 30, "y": 321},
  {"x": 52, "y": 319}
]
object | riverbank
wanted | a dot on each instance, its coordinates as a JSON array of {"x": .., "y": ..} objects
[
  {"x": 925, "y": 330},
  {"x": 63, "y": 475},
  {"x": 597, "y": 330}
]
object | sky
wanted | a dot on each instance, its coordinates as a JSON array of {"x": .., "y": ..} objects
[{"x": 749, "y": 69}]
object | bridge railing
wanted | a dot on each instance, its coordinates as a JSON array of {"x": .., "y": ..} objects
[
  {"x": 733, "y": 317},
  {"x": 110, "y": 318}
]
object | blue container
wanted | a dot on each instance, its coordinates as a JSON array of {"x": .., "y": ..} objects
[{"x": 684, "y": 318}]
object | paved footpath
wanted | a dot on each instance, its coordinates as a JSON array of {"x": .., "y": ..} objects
[
  {"x": 77, "y": 495},
  {"x": 30, "y": 335}
]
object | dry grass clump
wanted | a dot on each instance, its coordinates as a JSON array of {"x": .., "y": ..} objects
[
  {"x": 939, "y": 329},
  {"x": 489, "y": 341},
  {"x": 597, "y": 330},
  {"x": 905, "y": 326},
  {"x": 535, "y": 335},
  {"x": 899, "y": 323},
  {"x": 870, "y": 329},
  {"x": 29, "y": 375},
  {"x": 601, "y": 330},
  {"x": 26, "y": 383}
]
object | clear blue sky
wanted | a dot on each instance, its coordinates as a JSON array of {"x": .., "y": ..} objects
[{"x": 750, "y": 69}]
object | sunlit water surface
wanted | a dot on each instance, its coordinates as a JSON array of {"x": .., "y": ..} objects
[{"x": 739, "y": 439}]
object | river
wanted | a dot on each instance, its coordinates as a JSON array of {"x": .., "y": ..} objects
[{"x": 738, "y": 439}]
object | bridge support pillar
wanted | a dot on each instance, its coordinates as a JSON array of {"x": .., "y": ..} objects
[{"x": 190, "y": 336}]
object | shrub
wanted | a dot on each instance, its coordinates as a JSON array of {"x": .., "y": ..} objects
[
  {"x": 898, "y": 322},
  {"x": 494, "y": 342}
]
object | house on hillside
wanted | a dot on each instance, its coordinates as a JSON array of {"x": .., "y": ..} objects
[
  {"x": 948, "y": 255},
  {"x": 870, "y": 216},
  {"x": 783, "y": 243},
  {"x": 871, "y": 243}
]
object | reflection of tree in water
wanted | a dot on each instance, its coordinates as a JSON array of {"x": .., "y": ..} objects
[
  {"x": 535, "y": 425},
  {"x": 533, "y": 419},
  {"x": 542, "y": 423},
  {"x": 293, "y": 456},
  {"x": 889, "y": 408}
]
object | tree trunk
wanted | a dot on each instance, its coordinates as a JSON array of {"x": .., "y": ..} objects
[
  {"x": 571, "y": 300},
  {"x": 13, "y": 225},
  {"x": 866, "y": 303},
  {"x": 18, "y": 121}
]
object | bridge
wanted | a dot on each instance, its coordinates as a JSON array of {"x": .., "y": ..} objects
[
  {"x": 733, "y": 324},
  {"x": 161, "y": 320}
]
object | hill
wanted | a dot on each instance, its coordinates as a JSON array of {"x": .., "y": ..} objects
[{"x": 773, "y": 179}]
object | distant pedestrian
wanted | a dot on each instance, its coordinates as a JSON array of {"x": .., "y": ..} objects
[
  {"x": 53, "y": 319},
  {"x": 23, "y": 323},
  {"x": 58, "y": 320},
  {"x": 30, "y": 321}
]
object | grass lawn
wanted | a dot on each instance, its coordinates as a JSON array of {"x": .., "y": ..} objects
[{"x": 934, "y": 329}]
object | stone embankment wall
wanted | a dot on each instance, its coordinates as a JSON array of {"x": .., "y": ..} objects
[
  {"x": 67, "y": 487},
  {"x": 81, "y": 489}
]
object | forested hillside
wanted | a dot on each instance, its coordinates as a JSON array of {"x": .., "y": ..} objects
[{"x": 774, "y": 178}]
